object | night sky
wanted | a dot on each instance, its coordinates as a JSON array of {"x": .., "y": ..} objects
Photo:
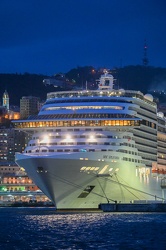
[{"x": 52, "y": 36}]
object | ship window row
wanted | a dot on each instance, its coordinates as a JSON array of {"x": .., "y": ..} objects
[
  {"x": 82, "y": 107},
  {"x": 50, "y": 137},
  {"x": 75, "y": 150},
  {"x": 70, "y": 130},
  {"x": 147, "y": 116},
  {"x": 161, "y": 139},
  {"x": 163, "y": 164},
  {"x": 149, "y": 130},
  {"x": 84, "y": 116},
  {"x": 149, "y": 124},
  {"x": 143, "y": 138},
  {"x": 127, "y": 152},
  {"x": 148, "y": 150},
  {"x": 143, "y": 109},
  {"x": 161, "y": 145},
  {"x": 147, "y": 157},
  {"x": 161, "y": 158},
  {"x": 161, "y": 151},
  {"x": 95, "y": 93},
  {"x": 80, "y": 100},
  {"x": 149, "y": 108},
  {"x": 77, "y": 123},
  {"x": 127, "y": 144},
  {"x": 162, "y": 129},
  {"x": 145, "y": 135},
  {"x": 161, "y": 155},
  {"x": 144, "y": 104},
  {"x": 144, "y": 161},
  {"x": 147, "y": 144},
  {"x": 162, "y": 122},
  {"x": 131, "y": 160},
  {"x": 78, "y": 143}
]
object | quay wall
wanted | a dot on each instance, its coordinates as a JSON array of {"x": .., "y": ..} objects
[{"x": 150, "y": 207}]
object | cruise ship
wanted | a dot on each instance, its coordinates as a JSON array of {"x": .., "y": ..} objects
[{"x": 96, "y": 146}]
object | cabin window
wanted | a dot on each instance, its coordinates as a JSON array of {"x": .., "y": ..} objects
[{"x": 67, "y": 150}]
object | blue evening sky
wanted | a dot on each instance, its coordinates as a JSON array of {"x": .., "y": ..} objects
[{"x": 52, "y": 36}]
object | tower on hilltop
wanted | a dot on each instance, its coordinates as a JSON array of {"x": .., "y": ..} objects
[{"x": 145, "y": 58}]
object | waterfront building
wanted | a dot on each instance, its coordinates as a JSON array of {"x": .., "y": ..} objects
[
  {"x": 12, "y": 115},
  {"x": 16, "y": 186}
]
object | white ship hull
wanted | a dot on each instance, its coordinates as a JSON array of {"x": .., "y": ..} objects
[{"x": 70, "y": 185}]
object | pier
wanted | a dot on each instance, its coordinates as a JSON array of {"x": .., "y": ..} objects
[{"x": 133, "y": 207}]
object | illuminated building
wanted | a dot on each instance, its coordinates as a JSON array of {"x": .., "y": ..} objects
[
  {"x": 15, "y": 185},
  {"x": 6, "y": 100}
]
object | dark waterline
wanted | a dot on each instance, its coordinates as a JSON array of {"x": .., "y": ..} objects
[{"x": 46, "y": 229}]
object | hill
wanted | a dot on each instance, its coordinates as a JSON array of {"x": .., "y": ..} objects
[
  {"x": 18, "y": 85},
  {"x": 145, "y": 79}
]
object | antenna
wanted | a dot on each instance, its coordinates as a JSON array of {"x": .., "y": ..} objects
[
  {"x": 145, "y": 58},
  {"x": 86, "y": 85}
]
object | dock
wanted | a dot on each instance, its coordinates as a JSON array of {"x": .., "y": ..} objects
[{"x": 131, "y": 207}]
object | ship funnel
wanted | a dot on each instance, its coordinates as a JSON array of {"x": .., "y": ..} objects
[{"x": 106, "y": 81}]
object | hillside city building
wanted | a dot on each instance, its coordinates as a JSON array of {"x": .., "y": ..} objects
[
  {"x": 15, "y": 185},
  {"x": 28, "y": 106}
]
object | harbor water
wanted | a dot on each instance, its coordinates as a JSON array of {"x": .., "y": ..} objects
[{"x": 47, "y": 229}]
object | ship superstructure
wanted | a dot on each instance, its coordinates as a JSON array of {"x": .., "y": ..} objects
[{"x": 93, "y": 146}]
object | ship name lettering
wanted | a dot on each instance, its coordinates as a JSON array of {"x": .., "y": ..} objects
[{"x": 110, "y": 157}]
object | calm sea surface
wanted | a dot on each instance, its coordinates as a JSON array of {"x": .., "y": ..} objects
[{"x": 44, "y": 228}]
